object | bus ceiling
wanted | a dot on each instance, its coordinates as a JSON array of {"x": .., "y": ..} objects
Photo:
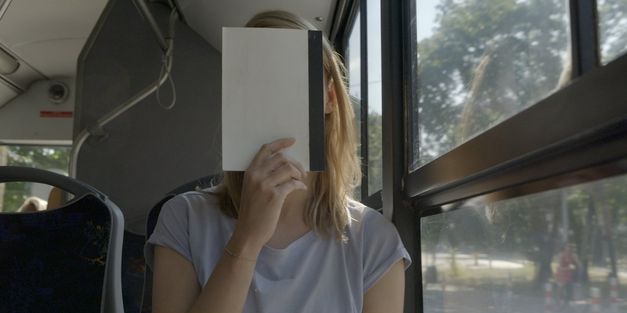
[
  {"x": 40, "y": 42},
  {"x": 208, "y": 17}
]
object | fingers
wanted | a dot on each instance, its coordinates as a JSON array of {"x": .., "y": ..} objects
[
  {"x": 279, "y": 159},
  {"x": 299, "y": 166},
  {"x": 271, "y": 148},
  {"x": 284, "y": 173},
  {"x": 289, "y": 186}
]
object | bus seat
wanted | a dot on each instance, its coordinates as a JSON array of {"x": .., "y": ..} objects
[
  {"x": 151, "y": 222},
  {"x": 62, "y": 260},
  {"x": 133, "y": 271}
]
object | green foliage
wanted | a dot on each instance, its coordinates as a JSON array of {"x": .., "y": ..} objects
[
  {"x": 48, "y": 158},
  {"x": 486, "y": 60},
  {"x": 375, "y": 152}
]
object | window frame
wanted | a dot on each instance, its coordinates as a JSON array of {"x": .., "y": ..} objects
[
  {"x": 577, "y": 142},
  {"x": 435, "y": 184},
  {"x": 360, "y": 7},
  {"x": 587, "y": 144}
]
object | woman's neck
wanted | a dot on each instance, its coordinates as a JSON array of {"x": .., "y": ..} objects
[
  {"x": 291, "y": 225},
  {"x": 295, "y": 204}
]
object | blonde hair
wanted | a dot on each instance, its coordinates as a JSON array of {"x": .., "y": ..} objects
[{"x": 326, "y": 211}]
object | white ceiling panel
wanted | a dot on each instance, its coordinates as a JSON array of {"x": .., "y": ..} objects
[
  {"x": 7, "y": 93},
  {"x": 64, "y": 52},
  {"x": 208, "y": 17},
  {"x": 36, "y": 20},
  {"x": 32, "y": 26},
  {"x": 25, "y": 73},
  {"x": 46, "y": 36}
]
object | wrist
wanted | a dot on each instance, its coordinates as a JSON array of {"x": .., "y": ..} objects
[{"x": 243, "y": 246}]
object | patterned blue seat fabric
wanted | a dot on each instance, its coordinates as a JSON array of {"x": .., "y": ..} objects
[{"x": 54, "y": 261}]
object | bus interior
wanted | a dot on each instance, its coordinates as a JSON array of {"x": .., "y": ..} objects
[{"x": 492, "y": 133}]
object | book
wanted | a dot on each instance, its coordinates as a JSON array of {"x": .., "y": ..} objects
[{"x": 272, "y": 88}]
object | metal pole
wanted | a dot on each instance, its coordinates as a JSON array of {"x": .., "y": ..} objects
[{"x": 145, "y": 12}]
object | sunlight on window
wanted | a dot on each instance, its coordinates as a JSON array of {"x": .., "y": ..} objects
[
  {"x": 375, "y": 128},
  {"x": 612, "y": 28}
]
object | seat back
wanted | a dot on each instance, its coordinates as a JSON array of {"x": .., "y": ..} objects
[
  {"x": 151, "y": 223},
  {"x": 63, "y": 260},
  {"x": 133, "y": 271}
]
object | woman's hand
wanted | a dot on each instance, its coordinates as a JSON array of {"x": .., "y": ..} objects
[{"x": 269, "y": 179}]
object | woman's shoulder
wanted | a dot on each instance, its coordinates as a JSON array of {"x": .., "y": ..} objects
[
  {"x": 205, "y": 202},
  {"x": 364, "y": 220}
]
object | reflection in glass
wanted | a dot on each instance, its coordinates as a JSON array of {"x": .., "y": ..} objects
[
  {"x": 14, "y": 196},
  {"x": 559, "y": 251},
  {"x": 481, "y": 61},
  {"x": 375, "y": 130},
  {"x": 612, "y": 28}
]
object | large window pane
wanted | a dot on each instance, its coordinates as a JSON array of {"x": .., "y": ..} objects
[
  {"x": 375, "y": 130},
  {"x": 353, "y": 60},
  {"x": 612, "y": 28},
  {"x": 558, "y": 251},
  {"x": 481, "y": 61},
  {"x": 14, "y": 195}
]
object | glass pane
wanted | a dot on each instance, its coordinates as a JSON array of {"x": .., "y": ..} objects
[
  {"x": 353, "y": 58},
  {"x": 15, "y": 195},
  {"x": 481, "y": 61},
  {"x": 612, "y": 28},
  {"x": 559, "y": 251},
  {"x": 375, "y": 130}
]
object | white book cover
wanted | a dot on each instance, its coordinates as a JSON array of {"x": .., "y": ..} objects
[{"x": 272, "y": 87}]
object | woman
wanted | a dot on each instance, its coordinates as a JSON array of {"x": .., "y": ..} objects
[{"x": 278, "y": 239}]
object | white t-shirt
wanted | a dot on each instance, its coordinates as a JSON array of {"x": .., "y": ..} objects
[{"x": 312, "y": 274}]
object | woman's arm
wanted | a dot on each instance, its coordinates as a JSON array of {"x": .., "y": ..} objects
[
  {"x": 267, "y": 182},
  {"x": 388, "y": 294},
  {"x": 176, "y": 288}
]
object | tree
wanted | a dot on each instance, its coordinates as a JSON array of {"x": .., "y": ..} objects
[
  {"x": 486, "y": 60},
  {"x": 613, "y": 28},
  {"x": 375, "y": 152},
  {"x": 48, "y": 158}
]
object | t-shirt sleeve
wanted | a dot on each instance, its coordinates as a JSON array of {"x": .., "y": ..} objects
[
  {"x": 172, "y": 230},
  {"x": 382, "y": 249}
]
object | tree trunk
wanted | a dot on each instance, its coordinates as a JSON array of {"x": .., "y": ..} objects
[{"x": 545, "y": 255}]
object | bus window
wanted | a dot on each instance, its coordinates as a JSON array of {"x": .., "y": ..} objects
[
  {"x": 363, "y": 55},
  {"x": 353, "y": 53},
  {"x": 480, "y": 62},
  {"x": 375, "y": 131},
  {"x": 612, "y": 28},
  {"x": 552, "y": 251},
  {"x": 353, "y": 66},
  {"x": 29, "y": 196}
]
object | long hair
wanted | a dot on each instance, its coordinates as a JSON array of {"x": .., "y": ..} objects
[{"x": 326, "y": 211}]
